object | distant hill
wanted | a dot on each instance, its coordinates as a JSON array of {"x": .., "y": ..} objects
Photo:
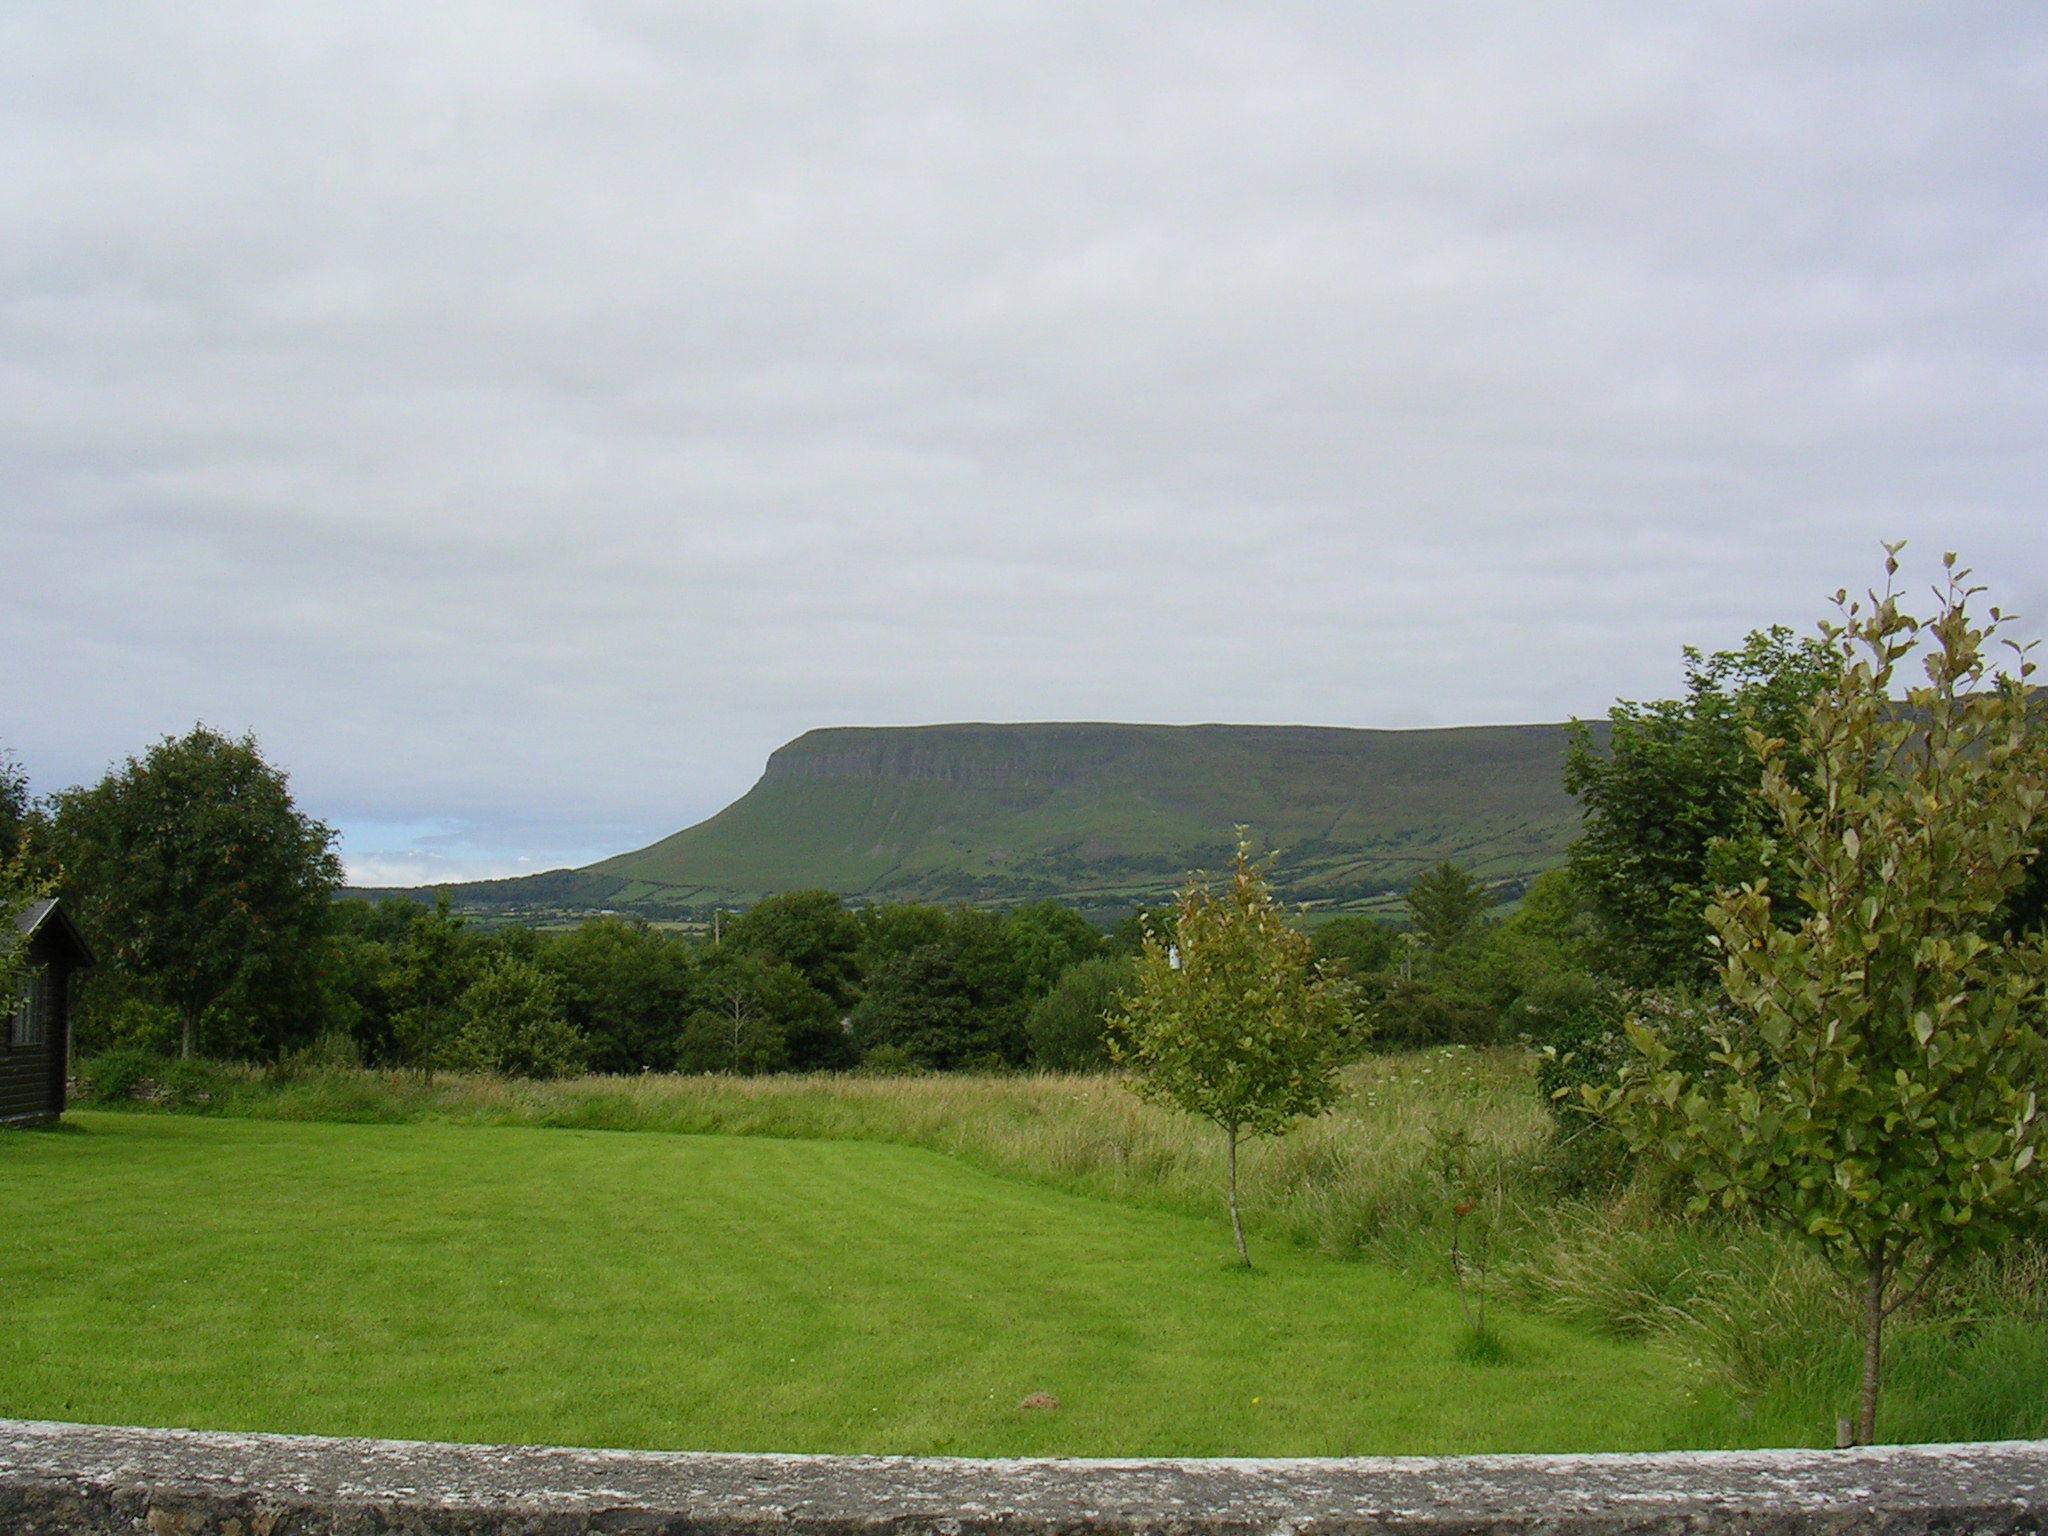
[{"x": 1099, "y": 815}]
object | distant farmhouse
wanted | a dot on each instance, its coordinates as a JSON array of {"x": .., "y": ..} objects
[{"x": 38, "y": 1045}]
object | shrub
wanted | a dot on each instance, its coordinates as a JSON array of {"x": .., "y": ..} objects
[
  {"x": 512, "y": 1023},
  {"x": 1430, "y": 1010},
  {"x": 187, "y": 1082},
  {"x": 113, "y": 1076},
  {"x": 1066, "y": 1027},
  {"x": 888, "y": 1061},
  {"x": 129, "y": 1075}
]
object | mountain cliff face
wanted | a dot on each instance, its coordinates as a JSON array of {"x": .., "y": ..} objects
[{"x": 1106, "y": 815}]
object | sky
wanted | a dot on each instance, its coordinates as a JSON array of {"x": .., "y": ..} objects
[{"x": 525, "y": 416}]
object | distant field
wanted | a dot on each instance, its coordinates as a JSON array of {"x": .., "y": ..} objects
[{"x": 733, "y": 1293}]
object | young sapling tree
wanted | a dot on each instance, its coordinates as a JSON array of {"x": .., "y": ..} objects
[
  {"x": 1886, "y": 1102},
  {"x": 1234, "y": 1021}
]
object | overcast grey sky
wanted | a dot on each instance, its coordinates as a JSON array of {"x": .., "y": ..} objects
[{"x": 524, "y": 416}]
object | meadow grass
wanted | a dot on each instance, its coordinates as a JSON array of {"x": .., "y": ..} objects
[
  {"x": 502, "y": 1284},
  {"x": 1753, "y": 1315}
]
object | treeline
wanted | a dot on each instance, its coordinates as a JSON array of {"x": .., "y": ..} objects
[
  {"x": 798, "y": 983},
  {"x": 802, "y": 982},
  {"x": 209, "y": 897}
]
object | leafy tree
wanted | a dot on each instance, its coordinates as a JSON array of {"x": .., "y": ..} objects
[
  {"x": 512, "y": 1023},
  {"x": 363, "y": 938},
  {"x": 896, "y": 928},
  {"x": 18, "y": 886},
  {"x": 949, "y": 1003},
  {"x": 753, "y": 1015},
  {"x": 1437, "y": 1005},
  {"x": 14, "y": 808},
  {"x": 1234, "y": 1022},
  {"x": 626, "y": 988},
  {"x": 1128, "y": 936},
  {"x": 15, "y": 894},
  {"x": 1068, "y": 1027},
  {"x": 430, "y": 972},
  {"x": 1360, "y": 946},
  {"x": 1045, "y": 938},
  {"x": 1445, "y": 905},
  {"x": 1670, "y": 802},
  {"x": 1532, "y": 967},
  {"x": 1885, "y": 1098},
  {"x": 203, "y": 883},
  {"x": 810, "y": 931}
]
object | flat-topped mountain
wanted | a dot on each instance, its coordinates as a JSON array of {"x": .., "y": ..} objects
[{"x": 1099, "y": 815}]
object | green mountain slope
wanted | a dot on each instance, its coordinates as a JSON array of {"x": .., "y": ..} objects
[{"x": 1104, "y": 815}]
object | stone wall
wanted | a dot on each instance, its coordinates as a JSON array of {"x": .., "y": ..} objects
[{"x": 78, "y": 1480}]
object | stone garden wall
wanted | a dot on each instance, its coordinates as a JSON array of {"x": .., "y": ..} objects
[{"x": 77, "y": 1480}]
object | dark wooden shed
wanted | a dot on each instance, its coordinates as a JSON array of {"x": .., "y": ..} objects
[{"x": 35, "y": 1056}]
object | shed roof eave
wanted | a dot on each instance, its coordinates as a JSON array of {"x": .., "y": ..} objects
[{"x": 49, "y": 913}]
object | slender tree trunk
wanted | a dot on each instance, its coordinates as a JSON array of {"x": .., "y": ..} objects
[
  {"x": 188, "y": 1031},
  {"x": 1236, "y": 1225},
  {"x": 1873, "y": 1344}
]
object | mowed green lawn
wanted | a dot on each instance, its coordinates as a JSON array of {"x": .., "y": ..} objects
[{"x": 725, "y": 1293}]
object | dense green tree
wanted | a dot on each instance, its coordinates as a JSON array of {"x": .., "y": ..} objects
[
  {"x": 1234, "y": 1022},
  {"x": 1067, "y": 1028},
  {"x": 362, "y": 940},
  {"x": 889, "y": 929},
  {"x": 1045, "y": 938},
  {"x": 1670, "y": 801},
  {"x": 752, "y": 1015},
  {"x": 17, "y": 886},
  {"x": 1532, "y": 967},
  {"x": 1127, "y": 937},
  {"x": 810, "y": 931},
  {"x": 1445, "y": 904},
  {"x": 626, "y": 988},
  {"x": 1355, "y": 945},
  {"x": 512, "y": 1024},
  {"x": 202, "y": 883},
  {"x": 14, "y": 807},
  {"x": 1884, "y": 1101},
  {"x": 430, "y": 971},
  {"x": 1435, "y": 1004},
  {"x": 951, "y": 1002}
]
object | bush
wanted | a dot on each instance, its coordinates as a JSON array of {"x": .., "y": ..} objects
[
  {"x": 513, "y": 1024},
  {"x": 1361, "y": 945},
  {"x": 1065, "y": 1027},
  {"x": 889, "y": 1061},
  {"x": 181, "y": 1084},
  {"x": 1588, "y": 1047},
  {"x": 128, "y": 1075},
  {"x": 108, "y": 1017},
  {"x": 1430, "y": 1010},
  {"x": 113, "y": 1076}
]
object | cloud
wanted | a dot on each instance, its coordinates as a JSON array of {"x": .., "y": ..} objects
[{"x": 526, "y": 416}]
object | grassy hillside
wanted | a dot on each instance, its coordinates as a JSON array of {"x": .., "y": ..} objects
[
  {"x": 1098, "y": 815},
  {"x": 1121, "y": 811}
]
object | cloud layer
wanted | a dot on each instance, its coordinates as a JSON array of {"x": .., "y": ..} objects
[{"x": 524, "y": 416}]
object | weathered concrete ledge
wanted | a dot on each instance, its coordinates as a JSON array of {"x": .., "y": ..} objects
[{"x": 83, "y": 1480}]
